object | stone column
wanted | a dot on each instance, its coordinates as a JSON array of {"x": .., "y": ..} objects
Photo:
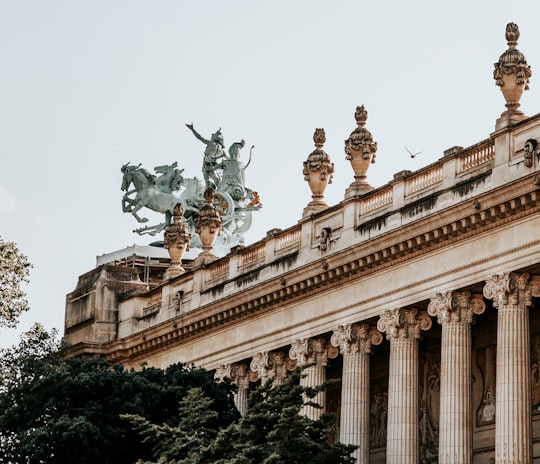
[
  {"x": 354, "y": 341},
  {"x": 454, "y": 311},
  {"x": 402, "y": 328},
  {"x": 269, "y": 364},
  {"x": 239, "y": 375},
  {"x": 316, "y": 351},
  {"x": 512, "y": 295}
]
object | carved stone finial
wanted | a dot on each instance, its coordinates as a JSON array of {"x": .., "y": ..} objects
[
  {"x": 208, "y": 226},
  {"x": 176, "y": 240},
  {"x": 361, "y": 116},
  {"x": 360, "y": 150},
  {"x": 318, "y": 170},
  {"x": 512, "y": 75}
]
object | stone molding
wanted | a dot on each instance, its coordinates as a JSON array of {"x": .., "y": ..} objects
[{"x": 477, "y": 222}]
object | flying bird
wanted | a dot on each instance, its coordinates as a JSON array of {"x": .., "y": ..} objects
[{"x": 412, "y": 155}]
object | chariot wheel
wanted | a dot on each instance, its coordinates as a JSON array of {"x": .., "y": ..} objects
[
  {"x": 224, "y": 204},
  {"x": 242, "y": 221}
]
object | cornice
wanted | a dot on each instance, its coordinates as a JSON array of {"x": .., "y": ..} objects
[{"x": 459, "y": 222}]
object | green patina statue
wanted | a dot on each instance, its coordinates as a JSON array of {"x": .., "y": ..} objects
[
  {"x": 163, "y": 191},
  {"x": 215, "y": 150}
]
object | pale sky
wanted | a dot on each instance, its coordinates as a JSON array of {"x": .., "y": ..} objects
[{"x": 87, "y": 86}]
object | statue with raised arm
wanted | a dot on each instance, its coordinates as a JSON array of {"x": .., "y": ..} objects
[{"x": 214, "y": 151}]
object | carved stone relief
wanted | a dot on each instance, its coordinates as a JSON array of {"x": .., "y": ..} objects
[
  {"x": 377, "y": 418},
  {"x": 485, "y": 360},
  {"x": 430, "y": 406},
  {"x": 535, "y": 373}
]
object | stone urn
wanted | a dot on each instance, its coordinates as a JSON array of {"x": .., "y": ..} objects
[
  {"x": 360, "y": 150},
  {"x": 318, "y": 171},
  {"x": 176, "y": 241},
  {"x": 512, "y": 75},
  {"x": 208, "y": 226}
]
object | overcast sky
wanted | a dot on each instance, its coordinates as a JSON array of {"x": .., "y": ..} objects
[{"x": 86, "y": 86}]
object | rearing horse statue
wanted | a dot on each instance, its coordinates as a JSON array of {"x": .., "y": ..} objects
[{"x": 152, "y": 193}]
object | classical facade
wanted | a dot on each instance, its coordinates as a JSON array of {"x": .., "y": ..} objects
[{"x": 421, "y": 295}]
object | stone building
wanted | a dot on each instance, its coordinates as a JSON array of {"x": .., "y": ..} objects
[{"x": 421, "y": 295}]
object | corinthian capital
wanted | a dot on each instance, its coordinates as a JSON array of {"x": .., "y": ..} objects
[
  {"x": 312, "y": 350},
  {"x": 239, "y": 375},
  {"x": 222, "y": 372},
  {"x": 455, "y": 307},
  {"x": 510, "y": 288},
  {"x": 269, "y": 364},
  {"x": 403, "y": 323},
  {"x": 355, "y": 338}
]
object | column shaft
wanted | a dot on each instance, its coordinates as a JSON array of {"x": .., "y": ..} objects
[
  {"x": 354, "y": 419},
  {"x": 513, "y": 390},
  {"x": 314, "y": 376},
  {"x": 402, "y": 429},
  {"x": 455, "y": 312},
  {"x": 403, "y": 331},
  {"x": 455, "y": 426},
  {"x": 512, "y": 295}
]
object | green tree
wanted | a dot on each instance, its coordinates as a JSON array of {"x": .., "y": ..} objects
[
  {"x": 68, "y": 411},
  {"x": 186, "y": 443},
  {"x": 14, "y": 271},
  {"x": 275, "y": 432},
  {"x": 271, "y": 432}
]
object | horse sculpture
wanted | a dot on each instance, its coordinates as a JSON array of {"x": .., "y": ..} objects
[
  {"x": 223, "y": 174},
  {"x": 153, "y": 193}
]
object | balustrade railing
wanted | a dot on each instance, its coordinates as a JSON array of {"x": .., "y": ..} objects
[
  {"x": 377, "y": 200},
  {"x": 476, "y": 156},
  {"x": 424, "y": 180},
  {"x": 252, "y": 255},
  {"x": 288, "y": 239},
  {"x": 218, "y": 270}
]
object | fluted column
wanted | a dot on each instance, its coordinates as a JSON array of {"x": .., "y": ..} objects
[
  {"x": 402, "y": 328},
  {"x": 512, "y": 295},
  {"x": 454, "y": 311},
  {"x": 354, "y": 342},
  {"x": 269, "y": 364},
  {"x": 313, "y": 351},
  {"x": 240, "y": 377}
]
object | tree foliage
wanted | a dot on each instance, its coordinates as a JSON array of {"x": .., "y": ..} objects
[
  {"x": 271, "y": 432},
  {"x": 14, "y": 271},
  {"x": 69, "y": 411}
]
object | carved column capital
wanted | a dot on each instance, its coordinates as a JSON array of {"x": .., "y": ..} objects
[
  {"x": 403, "y": 323},
  {"x": 455, "y": 307},
  {"x": 355, "y": 338},
  {"x": 510, "y": 288},
  {"x": 312, "y": 350},
  {"x": 222, "y": 372},
  {"x": 269, "y": 364},
  {"x": 240, "y": 375}
]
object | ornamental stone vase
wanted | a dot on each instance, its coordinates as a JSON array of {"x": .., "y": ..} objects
[
  {"x": 512, "y": 75},
  {"x": 176, "y": 241},
  {"x": 360, "y": 150},
  {"x": 317, "y": 172},
  {"x": 208, "y": 226}
]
